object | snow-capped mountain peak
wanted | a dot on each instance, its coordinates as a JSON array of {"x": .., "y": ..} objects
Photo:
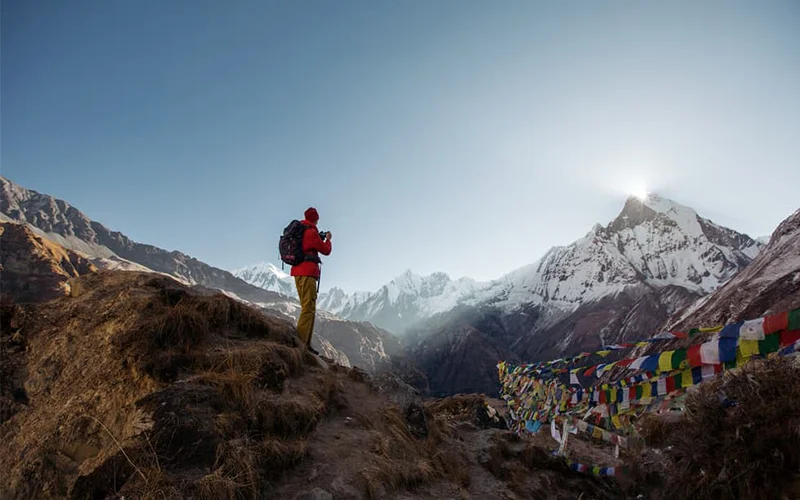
[
  {"x": 269, "y": 277},
  {"x": 683, "y": 216},
  {"x": 265, "y": 267},
  {"x": 653, "y": 241}
]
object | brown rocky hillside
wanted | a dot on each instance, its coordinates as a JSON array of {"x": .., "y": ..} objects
[
  {"x": 34, "y": 269},
  {"x": 134, "y": 386}
]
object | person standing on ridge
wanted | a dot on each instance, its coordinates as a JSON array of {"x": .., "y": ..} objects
[{"x": 307, "y": 273}]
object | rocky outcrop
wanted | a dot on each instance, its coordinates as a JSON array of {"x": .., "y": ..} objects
[{"x": 33, "y": 269}]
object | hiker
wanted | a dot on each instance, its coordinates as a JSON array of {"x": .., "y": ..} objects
[{"x": 306, "y": 275}]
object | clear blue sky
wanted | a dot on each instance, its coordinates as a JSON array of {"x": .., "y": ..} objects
[{"x": 460, "y": 136}]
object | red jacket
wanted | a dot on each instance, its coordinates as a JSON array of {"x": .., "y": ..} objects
[{"x": 312, "y": 245}]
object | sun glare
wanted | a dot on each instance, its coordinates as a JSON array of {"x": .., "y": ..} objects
[{"x": 640, "y": 192}]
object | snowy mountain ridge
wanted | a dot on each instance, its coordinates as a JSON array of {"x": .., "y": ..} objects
[
  {"x": 269, "y": 277},
  {"x": 653, "y": 242},
  {"x": 432, "y": 294}
]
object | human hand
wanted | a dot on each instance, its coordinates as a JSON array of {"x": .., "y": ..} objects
[{"x": 328, "y": 234}]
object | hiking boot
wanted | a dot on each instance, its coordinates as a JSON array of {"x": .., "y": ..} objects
[{"x": 312, "y": 350}]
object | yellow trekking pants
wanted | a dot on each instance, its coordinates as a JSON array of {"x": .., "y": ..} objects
[{"x": 307, "y": 291}]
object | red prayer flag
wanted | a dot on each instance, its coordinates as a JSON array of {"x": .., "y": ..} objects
[
  {"x": 680, "y": 335},
  {"x": 693, "y": 355},
  {"x": 776, "y": 322},
  {"x": 789, "y": 337},
  {"x": 670, "y": 384}
]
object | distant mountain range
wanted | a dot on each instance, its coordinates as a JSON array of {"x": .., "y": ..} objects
[
  {"x": 657, "y": 262},
  {"x": 653, "y": 242}
]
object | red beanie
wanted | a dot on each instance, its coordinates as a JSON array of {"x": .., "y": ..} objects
[{"x": 311, "y": 215}]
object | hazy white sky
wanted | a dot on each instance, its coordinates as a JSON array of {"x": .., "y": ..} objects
[{"x": 457, "y": 136}]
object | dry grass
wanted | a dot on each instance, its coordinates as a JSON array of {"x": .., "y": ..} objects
[
  {"x": 158, "y": 486},
  {"x": 285, "y": 417},
  {"x": 654, "y": 430},
  {"x": 236, "y": 387},
  {"x": 189, "y": 320},
  {"x": 231, "y": 318},
  {"x": 270, "y": 364},
  {"x": 405, "y": 461},
  {"x": 235, "y": 472},
  {"x": 751, "y": 450},
  {"x": 281, "y": 454},
  {"x": 181, "y": 328},
  {"x": 403, "y": 475},
  {"x": 180, "y": 332},
  {"x": 229, "y": 423}
]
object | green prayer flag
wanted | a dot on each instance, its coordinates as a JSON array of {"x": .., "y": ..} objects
[
  {"x": 678, "y": 357},
  {"x": 771, "y": 343},
  {"x": 794, "y": 320}
]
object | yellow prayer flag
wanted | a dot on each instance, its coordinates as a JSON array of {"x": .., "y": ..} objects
[
  {"x": 748, "y": 347},
  {"x": 665, "y": 361},
  {"x": 597, "y": 433},
  {"x": 686, "y": 378},
  {"x": 603, "y": 353},
  {"x": 646, "y": 391},
  {"x": 616, "y": 421}
]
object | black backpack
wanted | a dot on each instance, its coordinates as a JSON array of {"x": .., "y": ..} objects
[{"x": 291, "y": 244}]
